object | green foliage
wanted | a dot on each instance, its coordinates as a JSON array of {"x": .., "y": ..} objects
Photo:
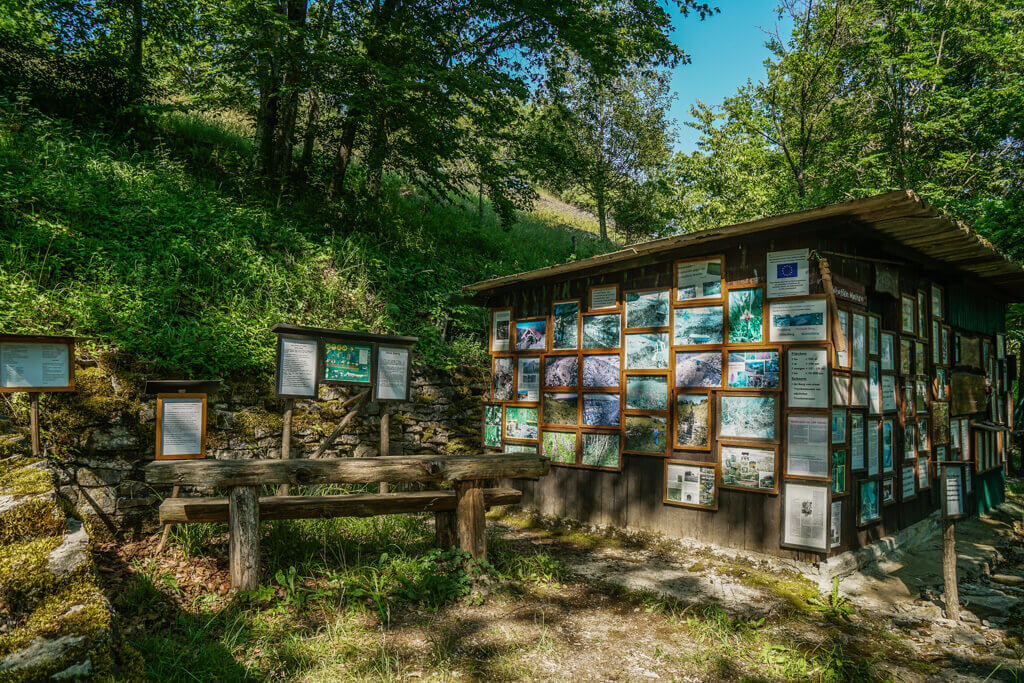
[{"x": 834, "y": 605}]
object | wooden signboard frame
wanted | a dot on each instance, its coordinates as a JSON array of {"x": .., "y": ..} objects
[
  {"x": 753, "y": 348},
  {"x": 730, "y": 443},
  {"x": 675, "y": 279},
  {"x": 727, "y": 328},
  {"x": 160, "y": 399},
  {"x": 609, "y": 309},
  {"x": 40, "y": 340},
  {"x": 714, "y": 467},
  {"x": 828, "y": 518},
  {"x": 501, "y": 424},
  {"x": 579, "y": 326},
  {"x": 674, "y": 408},
  {"x": 655, "y": 328}
]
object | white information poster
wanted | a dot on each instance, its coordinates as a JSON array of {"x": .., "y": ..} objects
[
  {"x": 856, "y": 441},
  {"x": 807, "y": 377},
  {"x": 807, "y": 445},
  {"x": 859, "y": 392},
  {"x": 181, "y": 427},
  {"x": 908, "y": 482},
  {"x": 874, "y": 387},
  {"x": 392, "y": 373},
  {"x": 296, "y": 372},
  {"x": 34, "y": 365},
  {"x": 954, "y": 503},
  {"x": 604, "y": 297},
  {"x": 699, "y": 280},
  {"x": 873, "y": 455},
  {"x": 788, "y": 273},
  {"x": 888, "y": 393},
  {"x": 841, "y": 390},
  {"x": 923, "y": 475},
  {"x": 801, "y": 320},
  {"x": 528, "y": 379},
  {"x": 806, "y": 516},
  {"x": 501, "y": 322},
  {"x": 843, "y": 355},
  {"x": 859, "y": 342},
  {"x": 836, "y": 524}
]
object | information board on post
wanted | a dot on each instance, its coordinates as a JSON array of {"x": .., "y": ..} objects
[
  {"x": 296, "y": 367},
  {"x": 36, "y": 364},
  {"x": 392, "y": 374},
  {"x": 180, "y": 426}
]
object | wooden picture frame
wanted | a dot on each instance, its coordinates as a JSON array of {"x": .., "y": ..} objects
[
  {"x": 843, "y": 362},
  {"x": 707, "y": 355},
  {"x": 40, "y": 340},
  {"x": 512, "y": 378},
  {"x": 723, "y": 397},
  {"x": 371, "y": 348},
  {"x": 557, "y": 356},
  {"x": 782, "y": 302},
  {"x": 378, "y": 394},
  {"x": 874, "y": 336},
  {"x": 493, "y": 329},
  {"x": 501, "y": 424},
  {"x": 543, "y": 446},
  {"x": 823, "y": 491},
  {"x": 745, "y": 349},
  {"x": 860, "y": 521},
  {"x": 728, "y": 335},
  {"x": 713, "y": 341},
  {"x": 812, "y": 417},
  {"x": 282, "y": 341},
  {"x": 617, "y": 434},
  {"x": 545, "y": 421},
  {"x": 701, "y": 297},
  {"x": 709, "y": 408},
  {"x": 533, "y": 350},
  {"x": 604, "y": 309},
  {"x": 579, "y": 326},
  {"x": 847, "y": 470},
  {"x": 636, "y": 417},
  {"x": 626, "y": 327},
  {"x": 691, "y": 463},
  {"x": 602, "y": 349},
  {"x": 505, "y": 438},
  {"x": 938, "y": 293},
  {"x": 905, "y": 301},
  {"x": 794, "y": 395},
  {"x": 730, "y": 444},
  {"x": 923, "y": 309},
  {"x": 161, "y": 401},
  {"x": 618, "y": 400}
]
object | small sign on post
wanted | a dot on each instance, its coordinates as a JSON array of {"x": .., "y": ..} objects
[{"x": 34, "y": 364}]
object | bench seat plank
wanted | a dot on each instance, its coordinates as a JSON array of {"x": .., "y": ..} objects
[{"x": 186, "y": 510}]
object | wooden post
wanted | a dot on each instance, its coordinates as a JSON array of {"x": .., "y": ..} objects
[
  {"x": 175, "y": 492},
  {"x": 385, "y": 440},
  {"x": 469, "y": 518},
  {"x": 33, "y": 416},
  {"x": 244, "y": 537},
  {"x": 444, "y": 529},
  {"x": 949, "y": 570},
  {"x": 286, "y": 439}
]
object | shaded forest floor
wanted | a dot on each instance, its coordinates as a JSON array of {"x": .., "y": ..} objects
[{"x": 367, "y": 599}]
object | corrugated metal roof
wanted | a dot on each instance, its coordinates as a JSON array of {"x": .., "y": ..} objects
[{"x": 901, "y": 216}]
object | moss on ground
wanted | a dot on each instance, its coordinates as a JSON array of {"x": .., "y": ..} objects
[
  {"x": 31, "y": 519},
  {"x": 19, "y": 478}
]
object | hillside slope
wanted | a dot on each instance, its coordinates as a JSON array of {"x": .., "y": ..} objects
[{"x": 160, "y": 248}]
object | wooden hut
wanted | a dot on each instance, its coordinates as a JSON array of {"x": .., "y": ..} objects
[{"x": 798, "y": 385}]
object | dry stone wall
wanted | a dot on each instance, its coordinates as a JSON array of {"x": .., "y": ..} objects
[{"x": 103, "y": 434}]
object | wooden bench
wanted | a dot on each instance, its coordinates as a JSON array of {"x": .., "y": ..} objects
[{"x": 459, "y": 513}]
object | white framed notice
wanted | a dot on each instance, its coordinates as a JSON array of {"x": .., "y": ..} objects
[
  {"x": 874, "y": 387},
  {"x": 36, "y": 364},
  {"x": 392, "y": 374},
  {"x": 836, "y": 524},
  {"x": 807, "y": 445},
  {"x": 180, "y": 426},
  {"x": 954, "y": 493},
  {"x": 797, "y": 321},
  {"x": 840, "y": 390},
  {"x": 856, "y": 440},
  {"x": 859, "y": 343},
  {"x": 604, "y": 297},
  {"x": 889, "y": 395},
  {"x": 873, "y": 454},
  {"x": 501, "y": 323},
  {"x": 859, "y": 392},
  {"x": 888, "y": 355},
  {"x": 700, "y": 278},
  {"x": 297, "y": 367},
  {"x": 788, "y": 273},
  {"x": 843, "y": 355},
  {"x": 528, "y": 379},
  {"x": 807, "y": 377},
  {"x": 908, "y": 481},
  {"x": 805, "y": 523}
]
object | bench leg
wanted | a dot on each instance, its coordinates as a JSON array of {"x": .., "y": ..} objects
[
  {"x": 444, "y": 529},
  {"x": 469, "y": 514},
  {"x": 244, "y": 537}
]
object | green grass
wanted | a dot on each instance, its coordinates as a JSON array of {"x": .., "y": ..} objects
[{"x": 166, "y": 250}]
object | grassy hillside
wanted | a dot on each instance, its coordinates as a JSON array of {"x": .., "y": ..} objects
[{"x": 163, "y": 248}]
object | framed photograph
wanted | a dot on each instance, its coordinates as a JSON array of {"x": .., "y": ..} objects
[
  {"x": 746, "y": 315},
  {"x": 561, "y": 371},
  {"x": 887, "y": 356},
  {"x": 874, "y": 387},
  {"x": 839, "y": 466},
  {"x": 697, "y": 325},
  {"x": 805, "y": 517},
  {"x": 647, "y": 308},
  {"x": 836, "y": 524},
  {"x": 646, "y": 434},
  {"x": 561, "y": 408},
  {"x": 601, "y": 450},
  {"x": 647, "y": 392},
  {"x": 936, "y": 342},
  {"x": 501, "y": 325},
  {"x": 754, "y": 370},
  {"x": 909, "y": 441},
  {"x": 798, "y": 320},
  {"x": 601, "y": 410},
  {"x": 698, "y": 369},
  {"x": 938, "y": 310},
  {"x": 859, "y": 343},
  {"x": 924, "y": 480},
  {"x": 807, "y": 446},
  {"x": 888, "y": 491},
  {"x": 491, "y": 437},
  {"x": 602, "y": 331},
  {"x": 873, "y": 434},
  {"x": 941, "y": 384},
  {"x": 753, "y": 418},
  {"x": 908, "y": 316},
  {"x": 41, "y": 363},
  {"x": 297, "y": 365},
  {"x": 690, "y": 484},
  {"x": 700, "y": 278},
  {"x": 180, "y": 426},
  {"x": 347, "y": 363},
  {"x": 839, "y": 425},
  {"x": 647, "y": 351},
  {"x": 841, "y": 357},
  {"x": 920, "y": 358},
  {"x": 858, "y": 391},
  {"x": 868, "y": 509},
  {"x": 807, "y": 377},
  {"x": 748, "y": 468},
  {"x": 692, "y": 426},
  {"x": 528, "y": 379},
  {"x": 940, "y": 422},
  {"x": 906, "y": 356},
  {"x": 944, "y": 351},
  {"x": 601, "y": 370},
  {"x": 921, "y": 396},
  {"x": 520, "y": 423},
  {"x": 1000, "y": 346},
  {"x": 840, "y": 389},
  {"x": 603, "y": 297},
  {"x": 532, "y": 334},
  {"x": 565, "y": 325},
  {"x": 501, "y": 376},
  {"x": 888, "y": 446},
  {"x": 561, "y": 448},
  {"x": 857, "y": 441},
  {"x": 530, "y": 448}
]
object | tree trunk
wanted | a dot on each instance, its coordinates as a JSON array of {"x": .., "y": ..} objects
[
  {"x": 952, "y": 591},
  {"x": 294, "y": 61},
  {"x": 135, "y": 63},
  {"x": 344, "y": 155},
  {"x": 601, "y": 209},
  {"x": 375, "y": 157},
  {"x": 309, "y": 135}
]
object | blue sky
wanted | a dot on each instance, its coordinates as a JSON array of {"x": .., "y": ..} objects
[{"x": 725, "y": 50}]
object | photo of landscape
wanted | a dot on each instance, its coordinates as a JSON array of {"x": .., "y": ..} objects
[
  {"x": 561, "y": 371},
  {"x": 601, "y": 331},
  {"x": 647, "y": 309},
  {"x": 698, "y": 368},
  {"x": 559, "y": 446},
  {"x": 746, "y": 316},
  {"x": 565, "y": 325},
  {"x": 647, "y": 351},
  {"x": 560, "y": 409},
  {"x": 601, "y": 450},
  {"x": 503, "y": 379},
  {"x": 601, "y": 410},
  {"x": 749, "y": 468},
  {"x": 693, "y": 420},
  {"x": 520, "y": 422},
  {"x": 753, "y": 370},
  {"x": 492, "y": 425},
  {"x": 747, "y": 417},
  {"x": 646, "y": 433},
  {"x": 531, "y": 335},
  {"x": 601, "y": 370},
  {"x": 698, "y": 325},
  {"x": 646, "y": 392}
]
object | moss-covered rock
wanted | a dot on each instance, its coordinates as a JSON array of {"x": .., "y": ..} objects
[
  {"x": 23, "y": 518},
  {"x": 24, "y": 477}
]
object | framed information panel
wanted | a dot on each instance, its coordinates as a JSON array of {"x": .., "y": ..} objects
[
  {"x": 393, "y": 373},
  {"x": 297, "y": 367},
  {"x": 180, "y": 426},
  {"x": 347, "y": 363},
  {"x": 805, "y": 517},
  {"x": 36, "y": 363}
]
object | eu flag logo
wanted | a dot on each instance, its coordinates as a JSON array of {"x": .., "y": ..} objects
[{"x": 787, "y": 270}]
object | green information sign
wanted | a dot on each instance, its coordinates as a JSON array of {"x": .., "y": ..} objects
[{"x": 347, "y": 362}]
